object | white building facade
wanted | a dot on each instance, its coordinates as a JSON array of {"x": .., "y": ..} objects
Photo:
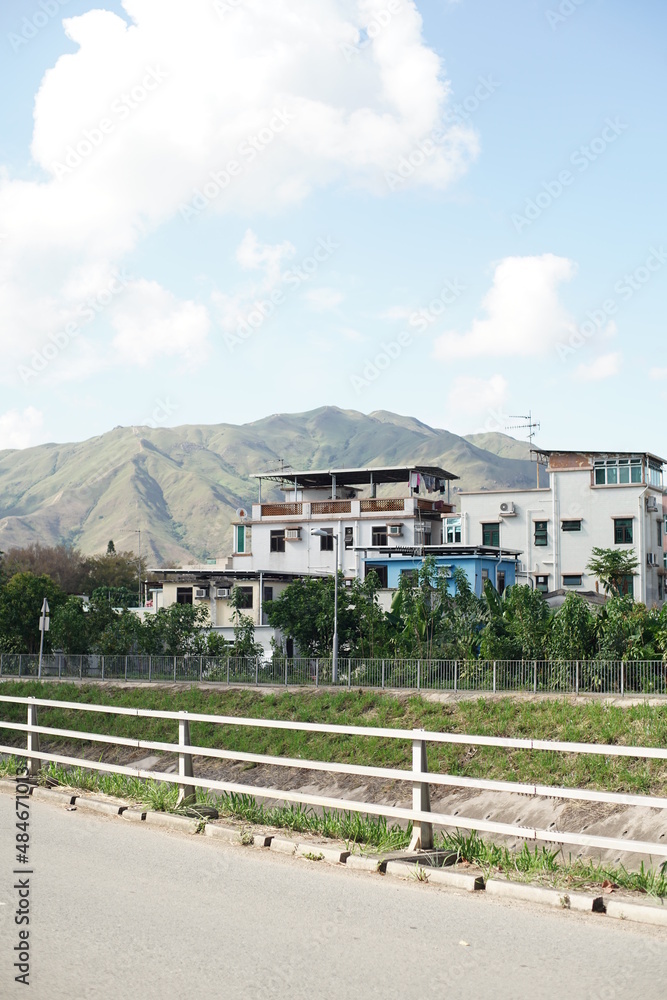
[{"x": 594, "y": 499}]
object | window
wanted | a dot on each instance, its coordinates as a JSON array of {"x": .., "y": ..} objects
[
  {"x": 614, "y": 471},
  {"x": 410, "y": 576},
  {"x": 245, "y": 596},
  {"x": 184, "y": 595},
  {"x": 267, "y": 594},
  {"x": 379, "y": 534},
  {"x": 659, "y": 528},
  {"x": 239, "y": 542},
  {"x": 349, "y": 538},
  {"x": 381, "y": 572},
  {"x": 327, "y": 540},
  {"x": 500, "y": 581},
  {"x": 626, "y": 585},
  {"x": 491, "y": 534},
  {"x": 655, "y": 474},
  {"x": 452, "y": 530},
  {"x": 541, "y": 537},
  {"x": 278, "y": 540},
  {"x": 571, "y": 525},
  {"x": 542, "y": 584},
  {"x": 572, "y": 580},
  {"x": 622, "y": 530},
  {"x": 485, "y": 576}
]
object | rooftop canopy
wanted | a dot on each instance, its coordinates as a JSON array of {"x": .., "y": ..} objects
[{"x": 322, "y": 478}]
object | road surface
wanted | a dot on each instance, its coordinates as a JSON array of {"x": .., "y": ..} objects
[{"x": 121, "y": 910}]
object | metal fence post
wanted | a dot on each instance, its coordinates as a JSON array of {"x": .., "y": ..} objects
[
  {"x": 456, "y": 675},
  {"x": 201, "y": 669},
  {"x": 622, "y": 678},
  {"x": 186, "y": 793},
  {"x": 257, "y": 670},
  {"x": 419, "y": 668},
  {"x": 494, "y": 676},
  {"x": 126, "y": 668},
  {"x": 150, "y": 667},
  {"x": 285, "y": 671},
  {"x": 383, "y": 675},
  {"x": 0, "y": 664},
  {"x": 349, "y": 673},
  {"x": 102, "y": 668},
  {"x": 422, "y": 833},
  {"x": 317, "y": 672},
  {"x": 33, "y": 742},
  {"x": 576, "y": 679},
  {"x": 80, "y": 668},
  {"x": 535, "y": 676},
  {"x": 227, "y": 671}
]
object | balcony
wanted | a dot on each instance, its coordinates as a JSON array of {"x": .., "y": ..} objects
[
  {"x": 281, "y": 509},
  {"x": 382, "y": 505},
  {"x": 331, "y": 507}
]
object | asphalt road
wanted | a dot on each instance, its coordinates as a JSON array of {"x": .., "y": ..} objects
[{"x": 120, "y": 910}]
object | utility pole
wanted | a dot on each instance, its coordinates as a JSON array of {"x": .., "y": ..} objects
[{"x": 137, "y": 531}]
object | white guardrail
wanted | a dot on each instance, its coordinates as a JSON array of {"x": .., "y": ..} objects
[{"x": 421, "y": 816}]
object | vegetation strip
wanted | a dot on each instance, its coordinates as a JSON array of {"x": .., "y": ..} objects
[{"x": 539, "y": 865}]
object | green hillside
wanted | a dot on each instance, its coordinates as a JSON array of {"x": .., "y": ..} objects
[{"x": 182, "y": 485}]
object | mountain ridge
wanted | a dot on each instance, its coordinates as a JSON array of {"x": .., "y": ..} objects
[{"x": 181, "y": 485}]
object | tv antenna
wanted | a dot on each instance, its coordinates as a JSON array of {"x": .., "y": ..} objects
[{"x": 532, "y": 426}]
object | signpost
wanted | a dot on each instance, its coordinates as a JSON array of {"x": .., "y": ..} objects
[{"x": 43, "y": 627}]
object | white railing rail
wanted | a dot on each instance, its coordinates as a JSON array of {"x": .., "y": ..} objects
[{"x": 421, "y": 815}]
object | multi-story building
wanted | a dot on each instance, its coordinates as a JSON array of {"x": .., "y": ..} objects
[{"x": 594, "y": 499}]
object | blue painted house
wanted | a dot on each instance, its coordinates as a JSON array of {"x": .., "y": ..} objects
[{"x": 479, "y": 563}]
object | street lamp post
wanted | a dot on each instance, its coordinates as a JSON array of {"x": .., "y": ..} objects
[
  {"x": 137, "y": 531},
  {"x": 334, "y": 653}
]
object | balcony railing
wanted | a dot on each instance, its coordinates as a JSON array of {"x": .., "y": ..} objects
[
  {"x": 331, "y": 507},
  {"x": 281, "y": 509},
  {"x": 386, "y": 504}
]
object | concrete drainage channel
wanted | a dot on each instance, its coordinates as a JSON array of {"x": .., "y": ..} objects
[{"x": 428, "y": 867}]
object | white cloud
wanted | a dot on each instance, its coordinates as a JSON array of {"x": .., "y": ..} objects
[
  {"x": 323, "y": 299},
  {"x": 606, "y": 366},
  {"x": 17, "y": 429},
  {"x": 131, "y": 127},
  {"x": 524, "y": 316},
  {"x": 268, "y": 259},
  {"x": 471, "y": 397},
  {"x": 151, "y": 322},
  {"x": 657, "y": 374}
]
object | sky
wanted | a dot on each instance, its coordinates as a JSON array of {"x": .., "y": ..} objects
[{"x": 216, "y": 210}]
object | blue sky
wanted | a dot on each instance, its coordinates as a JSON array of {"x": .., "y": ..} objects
[{"x": 449, "y": 210}]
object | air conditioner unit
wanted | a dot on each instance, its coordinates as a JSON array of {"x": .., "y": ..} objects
[
  {"x": 652, "y": 504},
  {"x": 292, "y": 534},
  {"x": 507, "y": 507},
  {"x": 223, "y": 592},
  {"x": 395, "y": 529},
  {"x": 201, "y": 593}
]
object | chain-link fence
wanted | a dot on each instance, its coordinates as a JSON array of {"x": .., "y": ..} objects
[{"x": 563, "y": 676}]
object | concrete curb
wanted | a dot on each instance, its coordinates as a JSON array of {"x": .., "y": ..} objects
[
  {"x": 262, "y": 839},
  {"x": 222, "y": 832},
  {"x": 559, "y": 898},
  {"x": 52, "y": 795},
  {"x": 455, "y": 880},
  {"x": 361, "y": 863},
  {"x": 169, "y": 822},
  {"x": 136, "y": 815},
  {"x": 328, "y": 854},
  {"x": 283, "y": 846},
  {"x": 643, "y": 913},
  {"x": 94, "y": 805}
]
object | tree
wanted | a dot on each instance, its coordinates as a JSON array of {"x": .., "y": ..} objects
[
  {"x": 613, "y": 568},
  {"x": 117, "y": 569},
  {"x": 111, "y": 548},
  {"x": 572, "y": 633},
  {"x": 519, "y": 624},
  {"x": 21, "y": 600},
  {"x": 66, "y": 566}
]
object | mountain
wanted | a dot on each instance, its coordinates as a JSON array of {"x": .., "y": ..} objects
[{"x": 181, "y": 485}]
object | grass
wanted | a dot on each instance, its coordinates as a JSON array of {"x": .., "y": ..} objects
[{"x": 552, "y": 719}]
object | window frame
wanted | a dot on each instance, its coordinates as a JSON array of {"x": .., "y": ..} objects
[
  {"x": 569, "y": 578},
  {"x": 540, "y": 532},
  {"x": 491, "y": 528},
  {"x": 571, "y": 522},
  {"x": 623, "y": 530},
  {"x": 327, "y": 540},
  {"x": 276, "y": 538},
  {"x": 378, "y": 531}
]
